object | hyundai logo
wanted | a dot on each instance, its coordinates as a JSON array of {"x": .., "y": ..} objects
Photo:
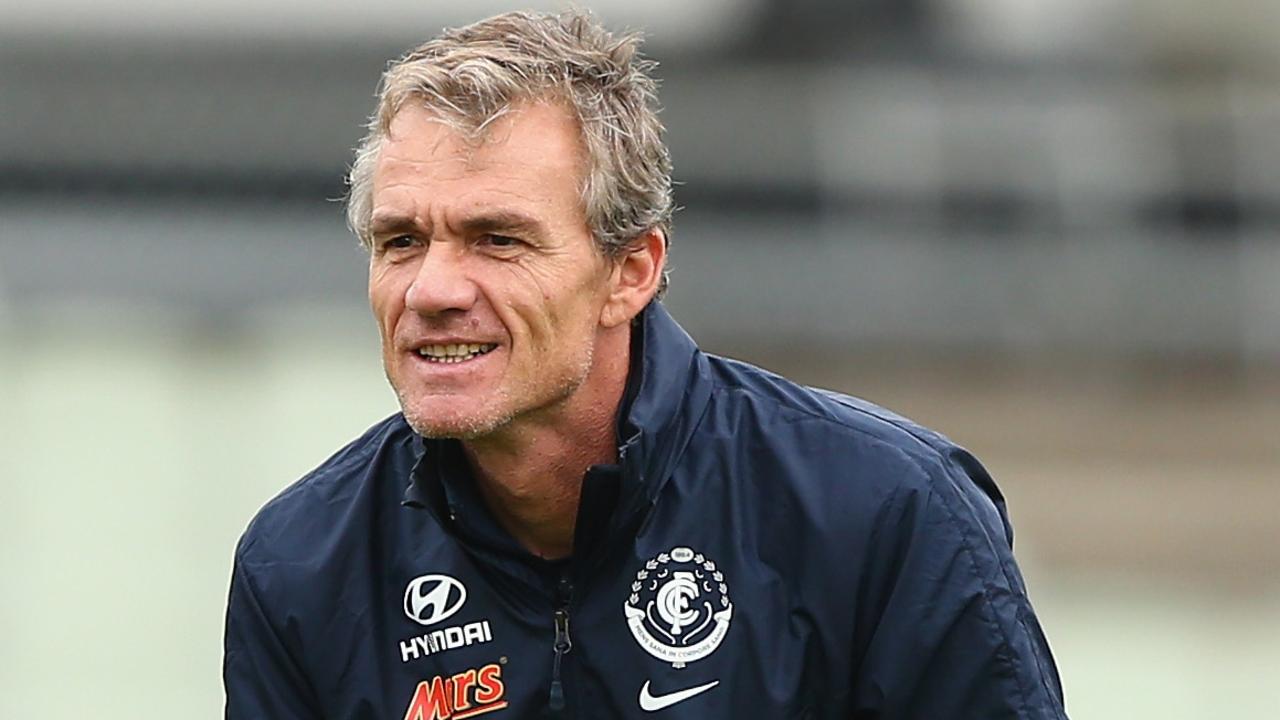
[{"x": 432, "y": 598}]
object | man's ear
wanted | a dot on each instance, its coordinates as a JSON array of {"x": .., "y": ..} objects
[{"x": 635, "y": 278}]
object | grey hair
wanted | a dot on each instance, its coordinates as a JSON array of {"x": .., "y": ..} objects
[{"x": 470, "y": 76}]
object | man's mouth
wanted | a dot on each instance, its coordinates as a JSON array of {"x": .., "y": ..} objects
[{"x": 454, "y": 353}]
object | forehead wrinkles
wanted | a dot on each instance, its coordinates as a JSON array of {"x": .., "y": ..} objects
[
  {"x": 407, "y": 146},
  {"x": 404, "y": 171}
]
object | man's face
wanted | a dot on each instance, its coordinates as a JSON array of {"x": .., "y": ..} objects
[{"x": 484, "y": 277}]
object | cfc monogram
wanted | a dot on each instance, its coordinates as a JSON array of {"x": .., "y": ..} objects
[
  {"x": 679, "y": 609},
  {"x": 463, "y": 695}
]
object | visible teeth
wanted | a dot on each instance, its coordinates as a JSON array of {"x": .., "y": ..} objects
[{"x": 454, "y": 353}]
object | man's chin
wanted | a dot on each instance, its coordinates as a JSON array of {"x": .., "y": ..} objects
[{"x": 445, "y": 425}]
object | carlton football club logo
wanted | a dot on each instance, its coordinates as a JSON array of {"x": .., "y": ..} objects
[{"x": 679, "y": 607}]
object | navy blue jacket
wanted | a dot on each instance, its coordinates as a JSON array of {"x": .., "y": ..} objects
[{"x": 761, "y": 550}]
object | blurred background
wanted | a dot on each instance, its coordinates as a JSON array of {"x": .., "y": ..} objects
[{"x": 1048, "y": 228}]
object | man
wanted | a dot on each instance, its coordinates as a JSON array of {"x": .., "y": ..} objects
[{"x": 578, "y": 513}]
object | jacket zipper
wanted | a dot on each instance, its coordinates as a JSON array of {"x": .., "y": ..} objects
[{"x": 563, "y": 643}]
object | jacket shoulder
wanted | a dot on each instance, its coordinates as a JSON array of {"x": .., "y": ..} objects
[
  {"x": 294, "y": 523},
  {"x": 847, "y": 448},
  {"x": 825, "y": 411}
]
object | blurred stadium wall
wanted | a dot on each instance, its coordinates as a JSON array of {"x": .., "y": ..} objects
[{"x": 1048, "y": 228}]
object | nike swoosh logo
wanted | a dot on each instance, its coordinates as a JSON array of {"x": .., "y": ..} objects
[{"x": 652, "y": 703}]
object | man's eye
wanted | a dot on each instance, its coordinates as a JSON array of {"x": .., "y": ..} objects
[
  {"x": 395, "y": 243},
  {"x": 502, "y": 241}
]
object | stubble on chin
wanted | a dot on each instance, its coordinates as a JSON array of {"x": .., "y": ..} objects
[
  {"x": 452, "y": 418},
  {"x": 435, "y": 421}
]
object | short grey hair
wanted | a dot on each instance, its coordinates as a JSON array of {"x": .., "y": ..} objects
[{"x": 470, "y": 76}]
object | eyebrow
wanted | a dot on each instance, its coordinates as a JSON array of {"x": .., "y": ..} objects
[
  {"x": 498, "y": 221},
  {"x": 489, "y": 221},
  {"x": 393, "y": 222}
]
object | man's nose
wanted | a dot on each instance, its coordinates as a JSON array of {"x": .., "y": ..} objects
[{"x": 442, "y": 283}]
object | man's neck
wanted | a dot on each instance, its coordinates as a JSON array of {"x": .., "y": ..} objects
[{"x": 530, "y": 473}]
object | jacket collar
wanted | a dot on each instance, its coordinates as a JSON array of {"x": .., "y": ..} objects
[
  {"x": 666, "y": 406},
  {"x": 667, "y": 394}
]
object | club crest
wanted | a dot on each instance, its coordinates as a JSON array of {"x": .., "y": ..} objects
[{"x": 679, "y": 609}]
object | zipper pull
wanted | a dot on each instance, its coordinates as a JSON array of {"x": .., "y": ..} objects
[{"x": 563, "y": 645}]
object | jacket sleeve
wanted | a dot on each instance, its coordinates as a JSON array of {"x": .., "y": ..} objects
[
  {"x": 951, "y": 631},
  {"x": 261, "y": 677}
]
